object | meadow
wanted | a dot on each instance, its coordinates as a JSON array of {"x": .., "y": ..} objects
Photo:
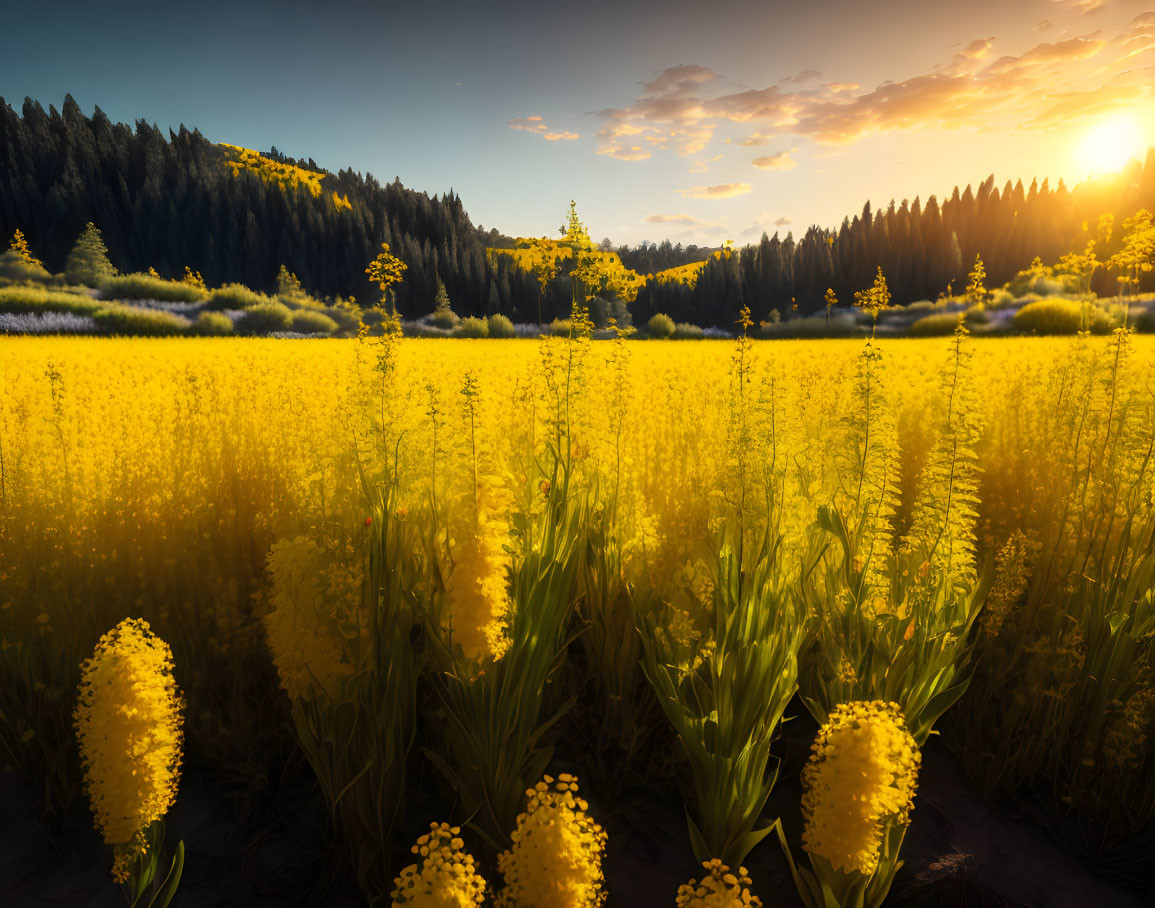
[{"x": 449, "y": 574}]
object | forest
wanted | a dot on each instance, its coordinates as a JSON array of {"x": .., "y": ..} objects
[{"x": 174, "y": 202}]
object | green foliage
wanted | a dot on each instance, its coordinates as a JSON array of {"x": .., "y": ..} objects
[
  {"x": 686, "y": 331},
  {"x": 560, "y": 327},
  {"x": 472, "y": 327},
  {"x": 938, "y": 325},
  {"x": 660, "y": 326},
  {"x": 265, "y": 318},
  {"x": 38, "y": 299},
  {"x": 308, "y": 321},
  {"x": 14, "y": 268},
  {"x": 212, "y": 324},
  {"x": 501, "y": 326},
  {"x": 235, "y": 296},
  {"x": 725, "y": 702},
  {"x": 1062, "y": 316},
  {"x": 147, "y": 287},
  {"x": 132, "y": 321},
  {"x": 88, "y": 262}
]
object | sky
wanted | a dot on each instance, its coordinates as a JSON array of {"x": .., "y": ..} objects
[{"x": 697, "y": 122}]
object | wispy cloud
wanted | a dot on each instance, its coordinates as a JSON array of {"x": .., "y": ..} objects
[
  {"x": 687, "y": 219},
  {"x": 538, "y": 128},
  {"x": 721, "y": 191},
  {"x": 782, "y": 222},
  {"x": 780, "y": 160},
  {"x": 1083, "y": 7}
]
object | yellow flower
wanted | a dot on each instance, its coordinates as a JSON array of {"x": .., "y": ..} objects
[
  {"x": 718, "y": 889},
  {"x": 446, "y": 876},
  {"x": 556, "y": 857},
  {"x": 859, "y": 782},
  {"x": 128, "y": 721}
]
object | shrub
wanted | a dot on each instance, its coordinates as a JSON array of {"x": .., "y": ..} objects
[
  {"x": 309, "y": 321},
  {"x": 235, "y": 296},
  {"x": 976, "y": 315},
  {"x": 660, "y": 326},
  {"x": 472, "y": 327},
  {"x": 14, "y": 268},
  {"x": 1000, "y": 299},
  {"x": 212, "y": 324},
  {"x": 1145, "y": 321},
  {"x": 842, "y": 324},
  {"x": 1061, "y": 316},
  {"x": 559, "y": 327},
  {"x": 686, "y": 331},
  {"x": 501, "y": 326},
  {"x": 936, "y": 325},
  {"x": 147, "y": 287},
  {"x": 135, "y": 321},
  {"x": 265, "y": 317},
  {"x": 347, "y": 317},
  {"x": 37, "y": 299},
  {"x": 921, "y": 306}
]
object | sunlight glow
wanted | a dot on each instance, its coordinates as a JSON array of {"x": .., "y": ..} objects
[{"x": 1110, "y": 143}]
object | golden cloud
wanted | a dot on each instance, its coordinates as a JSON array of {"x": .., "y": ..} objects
[
  {"x": 1076, "y": 76},
  {"x": 780, "y": 160},
  {"x": 535, "y": 125},
  {"x": 721, "y": 191}
]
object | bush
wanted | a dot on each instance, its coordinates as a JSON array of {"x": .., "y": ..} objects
[
  {"x": 265, "y": 317},
  {"x": 308, "y": 321},
  {"x": 501, "y": 326},
  {"x": 842, "y": 324},
  {"x": 1061, "y": 316},
  {"x": 937, "y": 325},
  {"x": 14, "y": 268},
  {"x": 147, "y": 287},
  {"x": 212, "y": 324},
  {"x": 20, "y": 299},
  {"x": 686, "y": 331},
  {"x": 1000, "y": 299},
  {"x": 921, "y": 306},
  {"x": 236, "y": 296},
  {"x": 347, "y": 317},
  {"x": 134, "y": 321},
  {"x": 1145, "y": 321},
  {"x": 976, "y": 315},
  {"x": 472, "y": 327},
  {"x": 559, "y": 327},
  {"x": 660, "y": 326}
]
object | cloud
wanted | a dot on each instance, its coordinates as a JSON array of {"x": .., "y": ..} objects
[
  {"x": 538, "y": 128},
  {"x": 1083, "y": 7},
  {"x": 682, "y": 108},
  {"x": 782, "y": 222},
  {"x": 721, "y": 191},
  {"x": 807, "y": 75},
  {"x": 679, "y": 80},
  {"x": 780, "y": 160},
  {"x": 687, "y": 219},
  {"x": 1044, "y": 26},
  {"x": 703, "y": 166}
]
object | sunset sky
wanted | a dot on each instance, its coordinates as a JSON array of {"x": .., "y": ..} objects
[{"x": 699, "y": 122}]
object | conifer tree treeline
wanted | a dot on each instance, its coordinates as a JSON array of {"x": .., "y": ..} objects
[
  {"x": 921, "y": 248},
  {"x": 171, "y": 202}
]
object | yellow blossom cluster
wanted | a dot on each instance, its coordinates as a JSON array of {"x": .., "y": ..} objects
[
  {"x": 719, "y": 888},
  {"x": 128, "y": 722},
  {"x": 859, "y": 782},
  {"x": 445, "y": 876},
  {"x": 556, "y": 857}
]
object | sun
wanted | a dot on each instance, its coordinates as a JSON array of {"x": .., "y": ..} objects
[{"x": 1110, "y": 143}]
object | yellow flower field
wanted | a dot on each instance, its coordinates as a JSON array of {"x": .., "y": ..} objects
[{"x": 961, "y": 528}]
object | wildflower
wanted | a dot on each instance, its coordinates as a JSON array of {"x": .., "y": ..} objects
[
  {"x": 128, "y": 722},
  {"x": 556, "y": 857},
  {"x": 477, "y": 591},
  {"x": 859, "y": 782},
  {"x": 718, "y": 889},
  {"x": 446, "y": 876}
]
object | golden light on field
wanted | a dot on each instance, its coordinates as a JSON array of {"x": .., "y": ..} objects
[{"x": 1110, "y": 143}]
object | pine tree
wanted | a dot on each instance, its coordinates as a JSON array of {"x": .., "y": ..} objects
[{"x": 88, "y": 262}]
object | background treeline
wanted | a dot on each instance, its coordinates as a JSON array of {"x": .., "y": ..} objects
[
  {"x": 171, "y": 202},
  {"x": 168, "y": 202},
  {"x": 921, "y": 248}
]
